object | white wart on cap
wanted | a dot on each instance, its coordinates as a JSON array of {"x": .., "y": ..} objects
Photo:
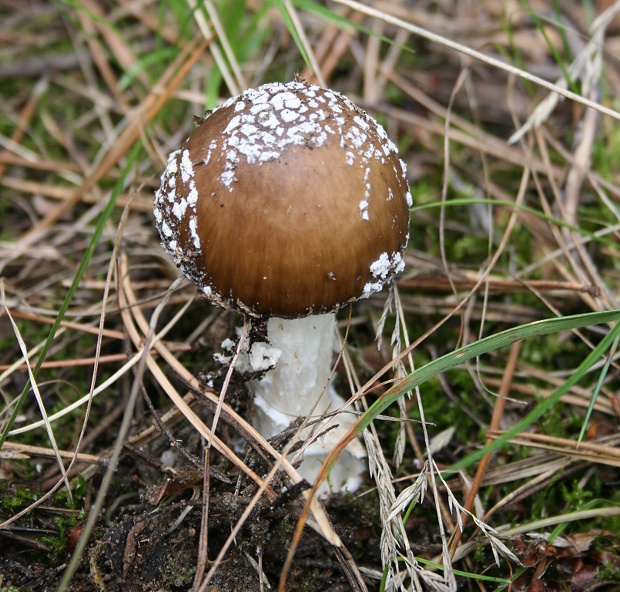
[{"x": 286, "y": 201}]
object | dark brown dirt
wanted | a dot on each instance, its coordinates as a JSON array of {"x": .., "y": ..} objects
[{"x": 139, "y": 547}]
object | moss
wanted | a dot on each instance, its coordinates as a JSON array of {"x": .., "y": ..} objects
[{"x": 15, "y": 499}]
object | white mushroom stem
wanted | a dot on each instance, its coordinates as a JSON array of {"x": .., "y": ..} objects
[{"x": 298, "y": 387}]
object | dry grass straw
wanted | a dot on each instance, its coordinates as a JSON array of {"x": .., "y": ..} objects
[{"x": 502, "y": 145}]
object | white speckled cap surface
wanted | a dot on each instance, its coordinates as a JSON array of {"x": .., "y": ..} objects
[{"x": 287, "y": 200}]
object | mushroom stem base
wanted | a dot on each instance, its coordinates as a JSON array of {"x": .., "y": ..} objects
[{"x": 299, "y": 387}]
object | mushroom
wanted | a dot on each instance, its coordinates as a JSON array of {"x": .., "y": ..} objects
[{"x": 286, "y": 203}]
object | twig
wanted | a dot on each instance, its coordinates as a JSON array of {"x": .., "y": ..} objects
[{"x": 498, "y": 413}]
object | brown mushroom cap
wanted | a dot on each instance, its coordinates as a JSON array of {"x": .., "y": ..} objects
[{"x": 288, "y": 200}]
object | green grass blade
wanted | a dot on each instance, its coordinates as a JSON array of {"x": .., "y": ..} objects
[
  {"x": 491, "y": 343},
  {"x": 344, "y": 23},
  {"x": 501, "y": 582},
  {"x": 486, "y": 345},
  {"x": 554, "y": 52},
  {"x": 293, "y": 32},
  {"x": 90, "y": 251},
  {"x": 466, "y": 574},
  {"x": 545, "y": 405},
  {"x": 495, "y": 202},
  {"x": 597, "y": 388},
  {"x": 146, "y": 63}
]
